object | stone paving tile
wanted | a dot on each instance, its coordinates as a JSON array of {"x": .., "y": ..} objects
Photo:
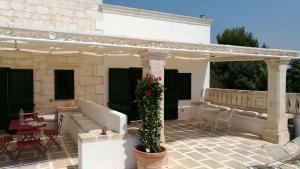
[
  {"x": 189, "y": 163},
  {"x": 176, "y": 155},
  {"x": 217, "y": 156},
  {"x": 222, "y": 150},
  {"x": 212, "y": 163},
  {"x": 235, "y": 164},
  {"x": 196, "y": 156}
]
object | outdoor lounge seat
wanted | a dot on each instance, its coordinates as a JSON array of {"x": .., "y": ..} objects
[{"x": 279, "y": 155}]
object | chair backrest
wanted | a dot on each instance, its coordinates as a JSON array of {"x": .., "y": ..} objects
[
  {"x": 61, "y": 118},
  {"x": 230, "y": 112}
]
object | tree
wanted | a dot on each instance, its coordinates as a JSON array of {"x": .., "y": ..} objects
[
  {"x": 293, "y": 77},
  {"x": 237, "y": 37},
  {"x": 239, "y": 75}
]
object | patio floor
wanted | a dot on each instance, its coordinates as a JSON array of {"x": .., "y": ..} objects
[
  {"x": 55, "y": 159},
  {"x": 190, "y": 144}
]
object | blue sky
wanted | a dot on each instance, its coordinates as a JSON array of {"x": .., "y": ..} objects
[{"x": 275, "y": 22}]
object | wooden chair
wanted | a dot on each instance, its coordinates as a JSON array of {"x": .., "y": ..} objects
[
  {"x": 52, "y": 134},
  {"x": 28, "y": 137},
  {"x": 4, "y": 142}
]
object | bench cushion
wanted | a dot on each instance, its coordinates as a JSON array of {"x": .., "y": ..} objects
[
  {"x": 263, "y": 116},
  {"x": 249, "y": 113}
]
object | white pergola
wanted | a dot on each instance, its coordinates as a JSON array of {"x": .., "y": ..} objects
[{"x": 153, "y": 55}]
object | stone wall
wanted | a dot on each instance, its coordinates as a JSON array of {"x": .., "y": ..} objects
[
  {"x": 88, "y": 72},
  {"x": 52, "y": 15}
]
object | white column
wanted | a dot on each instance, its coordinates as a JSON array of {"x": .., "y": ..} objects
[
  {"x": 276, "y": 130},
  {"x": 153, "y": 62}
]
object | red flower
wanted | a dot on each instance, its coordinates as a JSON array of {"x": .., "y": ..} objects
[
  {"x": 148, "y": 92},
  {"x": 150, "y": 78},
  {"x": 159, "y": 78}
]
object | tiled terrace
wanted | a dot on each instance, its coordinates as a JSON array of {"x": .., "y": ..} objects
[
  {"x": 55, "y": 159},
  {"x": 190, "y": 144}
]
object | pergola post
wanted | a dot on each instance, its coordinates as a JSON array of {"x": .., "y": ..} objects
[
  {"x": 276, "y": 130},
  {"x": 153, "y": 62}
]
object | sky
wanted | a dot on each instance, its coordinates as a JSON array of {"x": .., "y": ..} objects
[{"x": 274, "y": 22}]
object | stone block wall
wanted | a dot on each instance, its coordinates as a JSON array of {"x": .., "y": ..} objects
[
  {"x": 52, "y": 15},
  {"x": 88, "y": 72}
]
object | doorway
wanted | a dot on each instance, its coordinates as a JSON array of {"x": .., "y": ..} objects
[
  {"x": 122, "y": 84},
  {"x": 16, "y": 92}
]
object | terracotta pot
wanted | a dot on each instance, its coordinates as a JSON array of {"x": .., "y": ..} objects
[{"x": 150, "y": 160}]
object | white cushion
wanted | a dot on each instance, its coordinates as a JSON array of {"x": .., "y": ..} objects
[
  {"x": 263, "y": 116},
  {"x": 223, "y": 108},
  {"x": 248, "y": 113}
]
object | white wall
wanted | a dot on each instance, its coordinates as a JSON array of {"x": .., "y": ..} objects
[
  {"x": 106, "y": 153},
  {"x": 199, "y": 70},
  {"x": 154, "y": 29},
  {"x": 113, "y": 120}
]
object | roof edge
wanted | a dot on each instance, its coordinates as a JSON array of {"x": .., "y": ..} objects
[{"x": 154, "y": 14}]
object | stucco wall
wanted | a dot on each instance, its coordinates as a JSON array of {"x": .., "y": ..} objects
[
  {"x": 154, "y": 29},
  {"x": 54, "y": 15},
  {"x": 87, "y": 71}
]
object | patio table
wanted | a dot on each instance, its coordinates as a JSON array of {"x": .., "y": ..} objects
[
  {"x": 213, "y": 114},
  {"x": 15, "y": 124}
]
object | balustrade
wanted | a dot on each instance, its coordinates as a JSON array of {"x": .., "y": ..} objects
[{"x": 248, "y": 99}]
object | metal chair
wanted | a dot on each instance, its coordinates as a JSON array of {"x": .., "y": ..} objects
[
  {"x": 52, "y": 134},
  {"x": 225, "y": 116},
  {"x": 28, "y": 137},
  {"x": 4, "y": 143}
]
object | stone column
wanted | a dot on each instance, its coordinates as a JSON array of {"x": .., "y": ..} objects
[
  {"x": 153, "y": 62},
  {"x": 276, "y": 130}
]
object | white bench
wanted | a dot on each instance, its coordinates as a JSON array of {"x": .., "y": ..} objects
[
  {"x": 84, "y": 126},
  {"x": 245, "y": 120}
]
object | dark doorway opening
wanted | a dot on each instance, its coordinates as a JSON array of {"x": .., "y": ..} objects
[
  {"x": 171, "y": 96},
  {"x": 122, "y": 84},
  {"x": 16, "y": 92}
]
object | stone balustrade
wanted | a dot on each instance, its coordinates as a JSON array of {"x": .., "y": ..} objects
[
  {"x": 293, "y": 103},
  {"x": 248, "y": 99}
]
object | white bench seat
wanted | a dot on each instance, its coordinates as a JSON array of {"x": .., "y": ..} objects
[{"x": 85, "y": 123}]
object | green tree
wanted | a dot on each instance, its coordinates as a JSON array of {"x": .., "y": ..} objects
[
  {"x": 293, "y": 77},
  {"x": 250, "y": 75}
]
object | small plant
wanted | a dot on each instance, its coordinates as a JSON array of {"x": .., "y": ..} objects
[{"x": 148, "y": 96}]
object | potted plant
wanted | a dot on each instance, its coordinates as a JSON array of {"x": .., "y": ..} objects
[{"x": 149, "y": 154}]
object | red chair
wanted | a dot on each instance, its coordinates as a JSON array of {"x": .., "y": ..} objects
[
  {"x": 28, "y": 137},
  {"x": 53, "y": 133},
  {"x": 4, "y": 142}
]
